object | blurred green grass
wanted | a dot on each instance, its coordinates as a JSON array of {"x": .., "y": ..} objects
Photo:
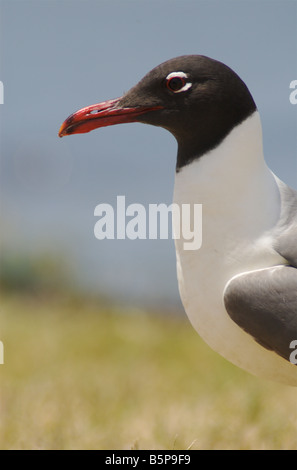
[{"x": 79, "y": 375}]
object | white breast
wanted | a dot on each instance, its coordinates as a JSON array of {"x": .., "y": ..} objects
[{"x": 240, "y": 206}]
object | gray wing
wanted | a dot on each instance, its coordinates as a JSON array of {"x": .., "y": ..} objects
[{"x": 264, "y": 304}]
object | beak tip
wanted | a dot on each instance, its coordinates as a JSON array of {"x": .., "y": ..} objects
[{"x": 62, "y": 131}]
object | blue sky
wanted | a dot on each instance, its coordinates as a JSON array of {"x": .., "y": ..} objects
[{"x": 58, "y": 56}]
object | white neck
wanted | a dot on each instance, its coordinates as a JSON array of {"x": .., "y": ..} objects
[
  {"x": 240, "y": 202},
  {"x": 237, "y": 190}
]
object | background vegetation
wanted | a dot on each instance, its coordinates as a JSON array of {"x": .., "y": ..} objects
[{"x": 81, "y": 374}]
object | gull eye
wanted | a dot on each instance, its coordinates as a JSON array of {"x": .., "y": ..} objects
[{"x": 177, "y": 82}]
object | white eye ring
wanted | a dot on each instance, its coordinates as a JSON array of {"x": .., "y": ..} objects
[{"x": 183, "y": 75}]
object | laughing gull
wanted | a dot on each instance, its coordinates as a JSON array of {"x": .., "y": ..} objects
[{"x": 239, "y": 289}]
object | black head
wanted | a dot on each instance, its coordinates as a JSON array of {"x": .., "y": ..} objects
[
  {"x": 198, "y": 99},
  {"x": 201, "y": 101}
]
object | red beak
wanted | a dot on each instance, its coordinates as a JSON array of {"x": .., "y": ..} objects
[{"x": 102, "y": 114}]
